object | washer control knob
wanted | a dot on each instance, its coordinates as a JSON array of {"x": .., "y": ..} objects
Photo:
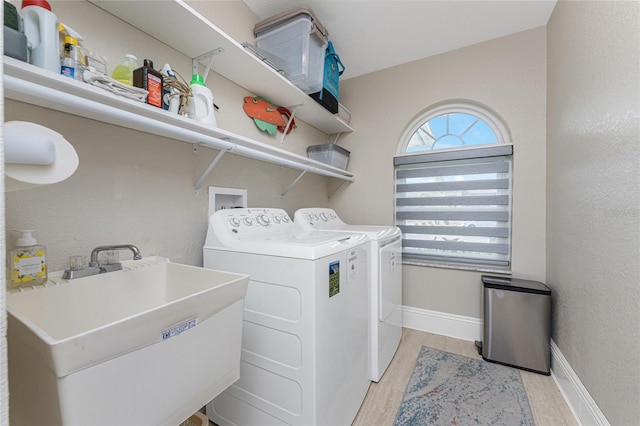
[
  {"x": 277, "y": 219},
  {"x": 235, "y": 222},
  {"x": 285, "y": 218},
  {"x": 324, "y": 216},
  {"x": 248, "y": 221},
  {"x": 263, "y": 220}
]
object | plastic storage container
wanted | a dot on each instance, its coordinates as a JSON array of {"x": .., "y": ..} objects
[
  {"x": 15, "y": 42},
  {"x": 517, "y": 323},
  {"x": 300, "y": 41},
  {"x": 329, "y": 153}
]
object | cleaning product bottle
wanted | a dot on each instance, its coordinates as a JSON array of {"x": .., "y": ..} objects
[
  {"x": 124, "y": 71},
  {"x": 41, "y": 29},
  {"x": 72, "y": 60},
  {"x": 149, "y": 79},
  {"x": 71, "y": 65},
  {"x": 201, "y": 104},
  {"x": 27, "y": 264}
]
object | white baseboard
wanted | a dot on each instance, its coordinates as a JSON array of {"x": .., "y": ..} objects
[
  {"x": 452, "y": 325},
  {"x": 584, "y": 408}
]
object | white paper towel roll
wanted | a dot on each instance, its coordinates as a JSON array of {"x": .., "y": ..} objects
[
  {"x": 22, "y": 146},
  {"x": 22, "y": 176}
]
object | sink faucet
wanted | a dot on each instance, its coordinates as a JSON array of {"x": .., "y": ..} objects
[
  {"x": 95, "y": 267},
  {"x": 97, "y": 250}
]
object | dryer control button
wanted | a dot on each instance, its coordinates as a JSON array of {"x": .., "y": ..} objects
[{"x": 263, "y": 220}]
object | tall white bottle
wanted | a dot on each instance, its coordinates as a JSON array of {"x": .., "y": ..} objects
[
  {"x": 41, "y": 29},
  {"x": 201, "y": 104}
]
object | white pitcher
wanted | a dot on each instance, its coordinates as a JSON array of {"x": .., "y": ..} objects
[{"x": 41, "y": 29}]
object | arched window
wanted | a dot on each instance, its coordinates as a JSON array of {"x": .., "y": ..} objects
[
  {"x": 452, "y": 125},
  {"x": 453, "y": 188}
]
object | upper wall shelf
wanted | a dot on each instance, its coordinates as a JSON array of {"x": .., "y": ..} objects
[
  {"x": 235, "y": 63},
  {"x": 30, "y": 84}
]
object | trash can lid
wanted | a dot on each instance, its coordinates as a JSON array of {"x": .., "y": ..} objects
[{"x": 515, "y": 284}]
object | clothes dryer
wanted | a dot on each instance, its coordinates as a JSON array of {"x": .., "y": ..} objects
[
  {"x": 304, "y": 343},
  {"x": 385, "y": 278}
]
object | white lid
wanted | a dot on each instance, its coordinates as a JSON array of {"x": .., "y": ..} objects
[{"x": 25, "y": 239}]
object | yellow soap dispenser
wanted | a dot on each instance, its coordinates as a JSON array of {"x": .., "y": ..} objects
[{"x": 27, "y": 264}]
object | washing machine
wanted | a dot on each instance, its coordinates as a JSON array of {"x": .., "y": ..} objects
[
  {"x": 304, "y": 342},
  {"x": 385, "y": 281}
]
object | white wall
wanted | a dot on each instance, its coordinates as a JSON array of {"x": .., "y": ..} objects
[
  {"x": 136, "y": 188},
  {"x": 593, "y": 198},
  {"x": 509, "y": 76}
]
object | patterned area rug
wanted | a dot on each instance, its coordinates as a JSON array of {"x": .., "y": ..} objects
[{"x": 449, "y": 389}]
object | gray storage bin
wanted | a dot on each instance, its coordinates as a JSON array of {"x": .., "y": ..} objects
[{"x": 517, "y": 323}]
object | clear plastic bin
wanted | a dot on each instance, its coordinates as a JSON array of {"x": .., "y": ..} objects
[
  {"x": 299, "y": 43},
  {"x": 329, "y": 153}
]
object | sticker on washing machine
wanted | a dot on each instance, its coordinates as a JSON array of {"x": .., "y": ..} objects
[
  {"x": 352, "y": 271},
  {"x": 334, "y": 278}
]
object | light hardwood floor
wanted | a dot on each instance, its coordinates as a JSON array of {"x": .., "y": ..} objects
[{"x": 383, "y": 398}]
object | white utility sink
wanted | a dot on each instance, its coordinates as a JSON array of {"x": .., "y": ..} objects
[{"x": 150, "y": 344}]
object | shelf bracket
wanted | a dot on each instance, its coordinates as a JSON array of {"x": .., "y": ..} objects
[
  {"x": 293, "y": 183},
  {"x": 207, "y": 172},
  {"x": 293, "y": 109},
  {"x": 203, "y": 59},
  {"x": 335, "y": 141},
  {"x": 337, "y": 189}
]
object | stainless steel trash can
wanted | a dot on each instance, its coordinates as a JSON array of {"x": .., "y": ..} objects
[{"x": 517, "y": 323}]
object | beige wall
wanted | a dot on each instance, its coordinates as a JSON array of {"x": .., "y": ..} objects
[
  {"x": 509, "y": 76},
  {"x": 593, "y": 187},
  {"x": 136, "y": 188}
]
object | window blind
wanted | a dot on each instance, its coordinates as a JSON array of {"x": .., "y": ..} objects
[{"x": 455, "y": 207}]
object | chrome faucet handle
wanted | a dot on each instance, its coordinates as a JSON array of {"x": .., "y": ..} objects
[{"x": 97, "y": 250}]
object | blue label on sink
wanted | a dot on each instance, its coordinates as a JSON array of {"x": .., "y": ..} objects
[{"x": 174, "y": 331}]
